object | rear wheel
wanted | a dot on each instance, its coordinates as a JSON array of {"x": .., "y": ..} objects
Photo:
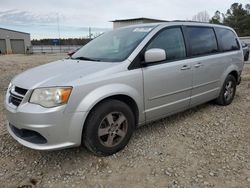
[
  {"x": 109, "y": 127},
  {"x": 228, "y": 91}
]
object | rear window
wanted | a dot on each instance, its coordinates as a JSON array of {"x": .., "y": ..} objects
[
  {"x": 228, "y": 39},
  {"x": 202, "y": 40}
]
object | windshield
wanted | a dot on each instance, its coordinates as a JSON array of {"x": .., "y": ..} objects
[{"x": 113, "y": 46}]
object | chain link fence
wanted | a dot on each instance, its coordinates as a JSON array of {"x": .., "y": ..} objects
[{"x": 53, "y": 48}]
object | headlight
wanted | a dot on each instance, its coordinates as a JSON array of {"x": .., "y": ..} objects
[{"x": 51, "y": 97}]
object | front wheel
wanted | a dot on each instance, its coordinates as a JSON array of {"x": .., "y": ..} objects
[
  {"x": 108, "y": 128},
  {"x": 228, "y": 91}
]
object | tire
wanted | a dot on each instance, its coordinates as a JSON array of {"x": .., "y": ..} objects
[
  {"x": 246, "y": 58},
  {"x": 227, "y": 91},
  {"x": 108, "y": 127}
]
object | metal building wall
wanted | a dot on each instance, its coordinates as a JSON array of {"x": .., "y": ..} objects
[
  {"x": 2, "y": 46},
  {"x": 126, "y": 23},
  {"x": 9, "y": 35}
]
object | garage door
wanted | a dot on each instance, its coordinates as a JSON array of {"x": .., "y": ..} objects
[
  {"x": 17, "y": 46},
  {"x": 2, "y": 46}
]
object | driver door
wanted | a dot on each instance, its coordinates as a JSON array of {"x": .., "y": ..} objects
[{"x": 167, "y": 84}]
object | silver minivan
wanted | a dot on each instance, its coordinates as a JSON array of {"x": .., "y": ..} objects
[{"x": 121, "y": 80}]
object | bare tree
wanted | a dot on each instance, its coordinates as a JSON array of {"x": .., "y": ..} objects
[
  {"x": 217, "y": 18},
  {"x": 248, "y": 8},
  {"x": 201, "y": 17}
]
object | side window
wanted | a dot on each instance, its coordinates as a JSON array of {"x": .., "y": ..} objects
[
  {"x": 228, "y": 39},
  {"x": 171, "y": 40},
  {"x": 202, "y": 40}
]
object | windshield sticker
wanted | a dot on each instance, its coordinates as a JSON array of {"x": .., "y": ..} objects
[{"x": 142, "y": 29}]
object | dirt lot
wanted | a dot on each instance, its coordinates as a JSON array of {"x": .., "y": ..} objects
[{"x": 208, "y": 146}]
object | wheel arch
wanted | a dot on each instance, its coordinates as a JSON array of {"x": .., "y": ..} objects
[
  {"x": 121, "y": 92},
  {"x": 120, "y": 97},
  {"x": 231, "y": 70},
  {"x": 123, "y": 98},
  {"x": 234, "y": 73}
]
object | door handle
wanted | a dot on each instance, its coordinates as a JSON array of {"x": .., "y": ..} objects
[
  {"x": 198, "y": 65},
  {"x": 185, "y": 67}
]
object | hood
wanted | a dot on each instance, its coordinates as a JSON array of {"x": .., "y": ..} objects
[{"x": 60, "y": 73}]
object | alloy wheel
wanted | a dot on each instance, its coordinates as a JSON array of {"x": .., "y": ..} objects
[
  {"x": 229, "y": 91},
  {"x": 112, "y": 129}
]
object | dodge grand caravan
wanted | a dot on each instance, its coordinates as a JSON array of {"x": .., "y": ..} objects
[{"x": 121, "y": 80}]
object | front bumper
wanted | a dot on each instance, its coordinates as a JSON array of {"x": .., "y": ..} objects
[{"x": 58, "y": 128}]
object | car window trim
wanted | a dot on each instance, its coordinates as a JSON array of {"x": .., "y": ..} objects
[
  {"x": 138, "y": 63},
  {"x": 189, "y": 40},
  {"x": 220, "y": 42}
]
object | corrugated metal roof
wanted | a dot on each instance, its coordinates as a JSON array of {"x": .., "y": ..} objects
[{"x": 14, "y": 31}]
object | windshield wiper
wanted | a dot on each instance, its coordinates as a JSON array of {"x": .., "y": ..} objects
[{"x": 85, "y": 58}]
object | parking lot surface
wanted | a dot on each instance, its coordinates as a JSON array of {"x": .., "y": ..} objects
[{"x": 207, "y": 146}]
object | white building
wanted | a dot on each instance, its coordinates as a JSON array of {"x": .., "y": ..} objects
[
  {"x": 15, "y": 42},
  {"x": 134, "y": 21}
]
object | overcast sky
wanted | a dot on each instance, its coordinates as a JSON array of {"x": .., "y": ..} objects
[{"x": 41, "y": 18}]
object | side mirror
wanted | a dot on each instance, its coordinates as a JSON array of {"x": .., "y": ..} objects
[
  {"x": 71, "y": 53},
  {"x": 155, "y": 55}
]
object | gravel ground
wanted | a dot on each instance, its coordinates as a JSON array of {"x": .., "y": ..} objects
[{"x": 207, "y": 146}]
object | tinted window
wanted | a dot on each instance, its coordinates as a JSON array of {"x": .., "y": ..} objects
[
  {"x": 202, "y": 40},
  {"x": 228, "y": 39},
  {"x": 171, "y": 40}
]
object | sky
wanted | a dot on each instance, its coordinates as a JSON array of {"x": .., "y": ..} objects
[{"x": 73, "y": 18}]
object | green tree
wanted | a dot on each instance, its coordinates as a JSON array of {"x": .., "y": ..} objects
[{"x": 237, "y": 17}]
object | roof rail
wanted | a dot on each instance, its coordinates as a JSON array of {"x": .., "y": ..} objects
[{"x": 189, "y": 21}]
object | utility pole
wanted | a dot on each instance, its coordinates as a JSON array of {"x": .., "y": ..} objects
[
  {"x": 59, "y": 34},
  {"x": 90, "y": 34}
]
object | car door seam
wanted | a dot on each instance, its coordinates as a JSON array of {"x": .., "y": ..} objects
[
  {"x": 169, "y": 94},
  {"x": 207, "y": 83}
]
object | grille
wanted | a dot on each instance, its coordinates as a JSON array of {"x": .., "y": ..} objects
[
  {"x": 20, "y": 90},
  {"x": 16, "y": 95}
]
